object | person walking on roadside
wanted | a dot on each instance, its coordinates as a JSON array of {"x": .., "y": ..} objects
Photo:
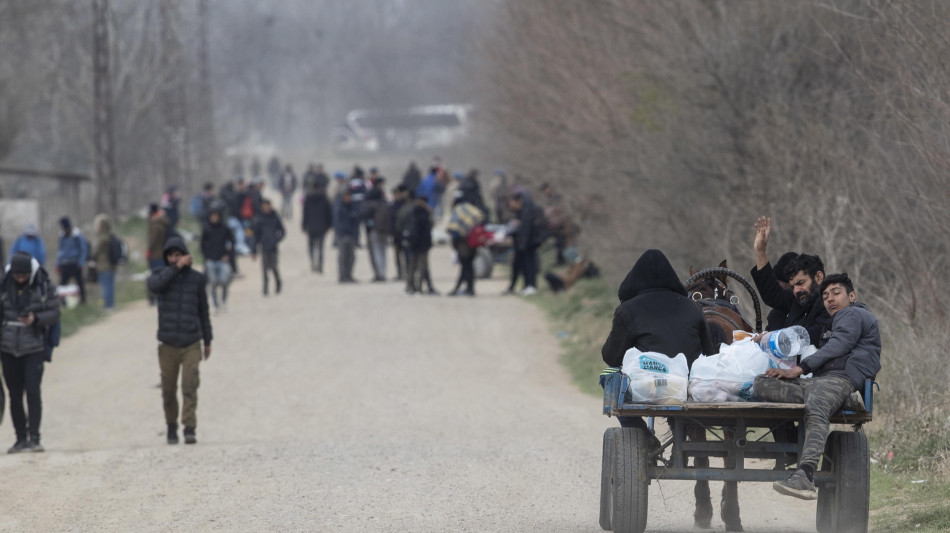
[
  {"x": 268, "y": 232},
  {"x": 378, "y": 230},
  {"x": 72, "y": 255},
  {"x": 103, "y": 260},
  {"x": 217, "y": 245},
  {"x": 346, "y": 226},
  {"x": 183, "y": 324},
  {"x": 317, "y": 220},
  {"x": 287, "y": 186},
  {"x": 28, "y": 306},
  {"x": 419, "y": 238},
  {"x": 30, "y": 242}
]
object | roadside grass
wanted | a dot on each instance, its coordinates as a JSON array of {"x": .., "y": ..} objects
[
  {"x": 581, "y": 318},
  {"x": 899, "y": 504}
]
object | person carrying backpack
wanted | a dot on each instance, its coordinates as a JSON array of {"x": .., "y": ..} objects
[
  {"x": 106, "y": 256},
  {"x": 28, "y": 308},
  {"x": 72, "y": 255}
]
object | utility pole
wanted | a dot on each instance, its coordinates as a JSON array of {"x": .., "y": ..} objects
[
  {"x": 107, "y": 185},
  {"x": 208, "y": 142},
  {"x": 176, "y": 164}
]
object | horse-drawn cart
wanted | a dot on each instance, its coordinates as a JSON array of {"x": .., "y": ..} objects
[{"x": 631, "y": 460}]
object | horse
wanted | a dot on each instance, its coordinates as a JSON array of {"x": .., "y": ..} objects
[
  {"x": 720, "y": 309},
  {"x": 720, "y": 306}
]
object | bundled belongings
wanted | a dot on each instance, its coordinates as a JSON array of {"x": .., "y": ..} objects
[
  {"x": 655, "y": 378},
  {"x": 728, "y": 375}
]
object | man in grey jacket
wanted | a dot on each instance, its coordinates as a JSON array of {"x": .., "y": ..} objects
[{"x": 840, "y": 367}]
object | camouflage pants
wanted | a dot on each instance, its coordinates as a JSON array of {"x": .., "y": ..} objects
[{"x": 823, "y": 396}]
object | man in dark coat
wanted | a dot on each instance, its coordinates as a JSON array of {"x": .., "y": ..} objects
[
  {"x": 528, "y": 237},
  {"x": 183, "y": 324},
  {"x": 217, "y": 245},
  {"x": 346, "y": 224},
  {"x": 28, "y": 306},
  {"x": 418, "y": 236},
  {"x": 412, "y": 177},
  {"x": 268, "y": 231},
  {"x": 317, "y": 220},
  {"x": 801, "y": 303},
  {"x": 655, "y": 315}
]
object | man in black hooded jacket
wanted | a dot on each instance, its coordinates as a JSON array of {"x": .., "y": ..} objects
[
  {"x": 183, "y": 323},
  {"x": 655, "y": 315}
]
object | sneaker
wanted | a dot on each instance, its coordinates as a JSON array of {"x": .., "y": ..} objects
[
  {"x": 433, "y": 292},
  {"x": 508, "y": 292},
  {"x": 797, "y": 485},
  {"x": 529, "y": 291},
  {"x": 190, "y": 435},
  {"x": 35, "y": 446},
  {"x": 22, "y": 445},
  {"x": 172, "y": 434}
]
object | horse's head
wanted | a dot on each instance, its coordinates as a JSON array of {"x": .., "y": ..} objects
[{"x": 712, "y": 288}]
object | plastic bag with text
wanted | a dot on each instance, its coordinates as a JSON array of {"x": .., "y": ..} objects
[{"x": 656, "y": 378}]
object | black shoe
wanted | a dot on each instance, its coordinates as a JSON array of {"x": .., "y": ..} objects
[
  {"x": 433, "y": 292},
  {"x": 190, "y": 435},
  {"x": 172, "y": 434},
  {"x": 22, "y": 445},
  {"x": 35, "y": 445},
  {"x": 797, "y": 485},
  {"x": 556, "y": 283}
]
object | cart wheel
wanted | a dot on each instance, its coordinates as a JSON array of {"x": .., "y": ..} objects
[
  {"x": 483, "y": 263},
  {"x": 825, "y": 518},
  {"x": 606, "y": 477},
  {"x": 851, "y": 497},
  {"x": 630, "y": 481}
]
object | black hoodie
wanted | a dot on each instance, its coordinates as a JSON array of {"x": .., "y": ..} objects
[
  {"x": 655, "y": 315},
  {"x": 182, "y": 301}
]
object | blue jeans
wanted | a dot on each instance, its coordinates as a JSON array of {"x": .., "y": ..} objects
[
  {"x": 219, "y": 275},
  {"x": 107, "y": 282}
]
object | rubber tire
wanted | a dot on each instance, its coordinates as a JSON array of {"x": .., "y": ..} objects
[
  {"x": 825, "y": 521},
  {"x": 631, "y": 481},
  {"x": 611, "y": 435},
  {"x": 483, "y": 264},
  {"x": 850, "y": 501}
]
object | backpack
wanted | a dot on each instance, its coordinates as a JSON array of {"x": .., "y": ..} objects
[
  {"x": 247, "y": 208},
  {"x": 118, "y": 251}
]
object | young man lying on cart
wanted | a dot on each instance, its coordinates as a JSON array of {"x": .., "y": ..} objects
[{"x": 840, "y": 367}]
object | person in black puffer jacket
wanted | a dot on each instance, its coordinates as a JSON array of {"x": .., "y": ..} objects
[
  {"x": 28, "y": 306},
  {"x": 183, "y": 323}
]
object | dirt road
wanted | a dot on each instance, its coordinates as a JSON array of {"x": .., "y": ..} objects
[{"x": 334, "y": 408}]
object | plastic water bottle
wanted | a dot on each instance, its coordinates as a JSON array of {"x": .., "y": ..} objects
[{"x": 785, "y": 343}]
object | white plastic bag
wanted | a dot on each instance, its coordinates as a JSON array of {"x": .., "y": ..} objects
[
  {"x": 728, "y": 375},
  {"x": 656, "y": 378}
]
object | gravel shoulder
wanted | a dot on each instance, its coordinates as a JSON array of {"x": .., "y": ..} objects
[{"x": 335, "y": 408}]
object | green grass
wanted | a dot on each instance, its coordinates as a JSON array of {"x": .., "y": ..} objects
[{"x": 898, "y": 504}]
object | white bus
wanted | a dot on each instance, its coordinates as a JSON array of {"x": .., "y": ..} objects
[{"x": 414, "y": 128}]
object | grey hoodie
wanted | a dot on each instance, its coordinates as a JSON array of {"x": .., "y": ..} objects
[{"x": 854, "y": 349}]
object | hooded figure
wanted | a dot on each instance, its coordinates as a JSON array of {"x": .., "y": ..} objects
[
  {"x": 655, "y": 315},
  {"x": 30, "y": 242}
]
